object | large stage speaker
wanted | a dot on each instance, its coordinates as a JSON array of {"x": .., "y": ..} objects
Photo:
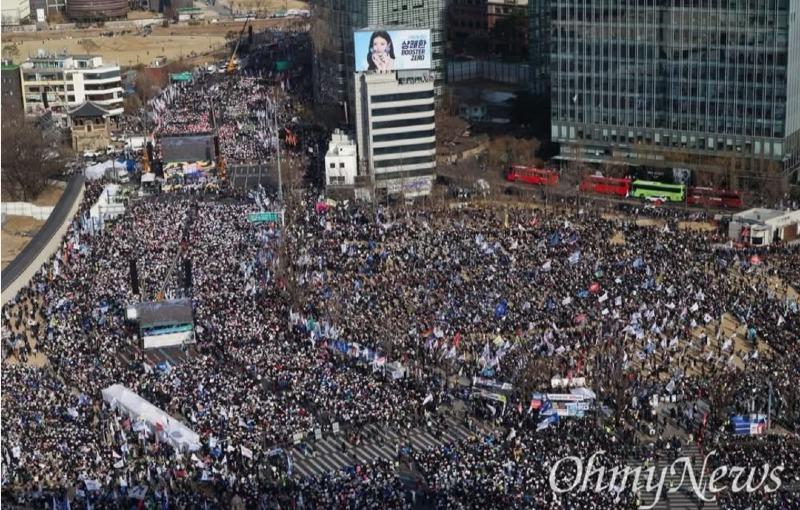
[
  {"x": 134, "y": 277},
  {"x": 187, "y": 273}
]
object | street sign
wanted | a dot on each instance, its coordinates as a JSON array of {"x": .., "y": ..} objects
[{"x": 264, "y": 217}]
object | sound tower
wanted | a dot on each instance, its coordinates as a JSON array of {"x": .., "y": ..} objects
[
  {"x": 187, "y": 273},
  {"x": 134, "y": 277}
]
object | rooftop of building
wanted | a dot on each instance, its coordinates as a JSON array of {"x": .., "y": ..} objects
[
  {"x": 88, "y": 109},
  {"x": 8, "y": 66},
  {"x": 390, "y": 28},
  {"x": 341, "y": 143},
  {"x": 64, "y": 61},
  {"x": 63, "y": 56},
  {"x": 760, "y": 214}
]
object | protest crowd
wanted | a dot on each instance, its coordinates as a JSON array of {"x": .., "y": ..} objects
[{"x": 295, "y": 327}]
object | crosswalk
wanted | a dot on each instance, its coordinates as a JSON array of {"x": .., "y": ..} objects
[
  {"x": 685, "y": 497},
  {"x": 174, "y": 355},
  {"x": 326, "y": 455}
]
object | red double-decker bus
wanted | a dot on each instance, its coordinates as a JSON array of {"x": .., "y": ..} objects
[
  {"x": 606, "y": 185},
  {"x": 710, "y": 197},
  {"x": 532, "y": 175}
]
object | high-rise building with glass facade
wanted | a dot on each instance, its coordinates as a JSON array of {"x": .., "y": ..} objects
[
  {"x": 333, "y": 24},
  {"x": 539, "y": 45},
  {"x": 676, "y": 83}
]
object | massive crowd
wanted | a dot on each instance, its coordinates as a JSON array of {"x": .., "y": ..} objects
[
  {"x": 630, "y": 300},
  {"x": 243, "y": 109},
  {"x": 514, "y": 295}
]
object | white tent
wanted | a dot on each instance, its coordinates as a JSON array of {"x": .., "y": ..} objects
[
  {"x": 98, "y": 171},
  {"x": 108, "y": 206},
  {"x": 170, "y": 430}
]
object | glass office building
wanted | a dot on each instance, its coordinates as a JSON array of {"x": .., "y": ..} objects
[
  {"x": 649, "y": 82},
  {"x": 333, "y": 24}
]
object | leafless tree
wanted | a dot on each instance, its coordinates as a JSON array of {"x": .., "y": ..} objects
[
  {"x": 146, "y": 87},
  {"x": 28, "y": 160}
]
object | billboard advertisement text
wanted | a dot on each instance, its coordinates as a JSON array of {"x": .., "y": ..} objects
[{"x": 392, "y": 50}]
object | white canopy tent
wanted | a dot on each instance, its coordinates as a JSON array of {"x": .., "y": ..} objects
[
  {"x": 98, "y": 170},
  {"x": 169, "y": 430},
  {"x": 108, "y": 205}
]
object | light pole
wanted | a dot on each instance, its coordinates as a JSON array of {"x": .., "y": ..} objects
[{"x": 278, "y": 146}]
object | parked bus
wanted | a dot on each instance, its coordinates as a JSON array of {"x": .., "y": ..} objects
[
  {"x": 710, "y": 197},
  {"x": 658, "y": 191},
  {"x": 606, "y": 185},
  {"x": 532, "y": 175}
]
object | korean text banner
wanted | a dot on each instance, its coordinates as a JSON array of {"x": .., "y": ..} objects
[{"x": 392, "y": 50}]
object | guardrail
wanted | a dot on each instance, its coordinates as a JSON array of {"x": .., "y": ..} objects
[{"x": 45, "y": 243}]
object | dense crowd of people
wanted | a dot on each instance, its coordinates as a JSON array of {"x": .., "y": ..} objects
[
  {"x": 294, "y": 326},
  {"x": 515, "y": 295},
  {"x": 492, "y": 291},
  {"x": 243, "y": 109}
]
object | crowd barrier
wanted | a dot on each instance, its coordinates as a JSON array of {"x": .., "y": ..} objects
[{"x": 27, "y": 209}]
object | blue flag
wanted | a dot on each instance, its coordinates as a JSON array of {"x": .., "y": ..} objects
[
  {"x": 501, "y": 309},
  {"x": 575, "y": 257}
]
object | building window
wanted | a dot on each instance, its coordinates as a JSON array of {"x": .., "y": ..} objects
[
  {"x": 405, "y": 96},
  {"x": 333, "y": 165},
  {"x": 403, "y": 122},
  {"x": 404, "y": 161},
  {"x": 397, "y": 110},
  {"x": 405, "y": 148},
  {"x": 404, "y": 136}
]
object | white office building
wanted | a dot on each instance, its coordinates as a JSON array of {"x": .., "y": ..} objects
[
  {"x": 14, "y": 11},
  {"x": 396, "y": 131},
  {"x": 341, "y": 160},
  {"x": 59, "y": 83}
]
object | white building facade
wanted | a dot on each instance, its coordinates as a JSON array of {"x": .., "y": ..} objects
[
  {"x": 14, "y": 11},
  {"x": 396, "y": 130},
  {"x": 761, "y": 227},
  {"x": 67, "y": 82},
  {"x": 341, "y": 160}
]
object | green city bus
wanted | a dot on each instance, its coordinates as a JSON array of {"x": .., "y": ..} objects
[{"x": 652, "y": 189}]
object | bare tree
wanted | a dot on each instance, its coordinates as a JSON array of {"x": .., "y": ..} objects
[
  {"x": 132, "y": 104},
  {"x": 146, "y": 87},
  {"x": 10, "y": 50},
  {"x": 28, "y": 160}
]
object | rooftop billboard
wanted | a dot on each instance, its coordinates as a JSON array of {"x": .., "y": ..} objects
[{"x": 392, "y": 50}]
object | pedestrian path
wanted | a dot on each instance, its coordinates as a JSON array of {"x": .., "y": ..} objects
[
  {"x": 379, "y": 443},
  {"x": 684, "y": 498}
]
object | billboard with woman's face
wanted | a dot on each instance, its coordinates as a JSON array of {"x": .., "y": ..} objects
[{"x": 392, "y": 50}]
